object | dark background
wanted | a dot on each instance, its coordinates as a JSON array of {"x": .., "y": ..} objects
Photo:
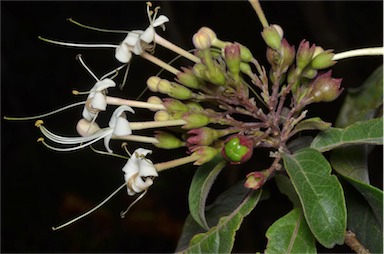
[{"x": 42, "y": 188}]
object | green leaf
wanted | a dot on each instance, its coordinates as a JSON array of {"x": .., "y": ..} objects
[
  {"x": 290, "y": 234},
  {"x": 366, "y": 132},
  {"x": 201, "y": 185},
  {"x": 224, "y": 204},
  {"x": 320, "y": 193},
  {"x": 221, "y": 237},
  {"x": 314, "y": 123},
  {"x": 361, "y": 103},
  {"x": 363, "y": 222}
]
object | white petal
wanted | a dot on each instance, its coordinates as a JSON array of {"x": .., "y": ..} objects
[
  {"x": 87, "y": 114},
  {"x": 147, "y": 168},
  {"x": 139, "y": 185},
  {"x": 148, "y": 35},
  {"x": 99, "y": 102},
  {"x": 104, "y": 84},
  {"x": 107, "y": 139},
  {"x": 130, "y": 168},
  {"x": 132, "y": 37},
  {"x": 137, "y": 49},
  {"x": 122, "y": 127},
  {"x": 123, "y": 54},
  {"x": 160, "y": 20},
  {"x": 118, "y": 112}
]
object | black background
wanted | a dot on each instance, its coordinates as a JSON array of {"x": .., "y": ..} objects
[{"x": 42, "y": 188}]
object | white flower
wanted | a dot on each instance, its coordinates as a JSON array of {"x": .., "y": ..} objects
[
  {"x": 136, "y": 39},
  {"x": 139, "y": 172},
  {"x": 96, "y": 100},
  {"x": 90, "y": 132}
]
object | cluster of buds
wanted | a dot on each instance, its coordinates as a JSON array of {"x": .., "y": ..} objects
[{"x": 223, "y": 103}]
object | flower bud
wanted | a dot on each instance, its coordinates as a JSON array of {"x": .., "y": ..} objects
[
  {"x": 207, "y": 153},
  {"x": 212, "y": 35},
  {"x": 272, "y": 36},
  {"x": 167, "y": 141},
  {"x": 304, "y": 54},
  {"x": 199, "y": 70},
  {"x": 245, "y": 54},
  {"x": 195, "y": 120},
  {"x": 202, "y": 136},
  {"x": 152, "y": 83},
  {"x": 232, "y": 58},
  {"x": 216, "y": 76},
  {"x": 86, "y": 128},
  {"x": 309, "y": 73},
  {"x": 194, "y": 106},
  {"x": 255, "y": 180},
  {"x": 174, "y": 105},
  {"x": 287, "y": 55},
  {"x": 323, "y": 60},
  {"x": 325, "y": 88},
  {"x": 201, "y": 40},
  {"x": 188, "y": 78},
  {"x": 174, "y": 90},
  {"x": 161, "y": 115},
  {"x": 238, "y": 149},
  {"x": 246, "y": 69}
]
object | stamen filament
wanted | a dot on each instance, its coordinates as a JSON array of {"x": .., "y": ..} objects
[
  {"x": 80, "y": 59},
  {"x": 95, "y": 28},
  {"x": 123, "y": 213},
  {"x": 177, "y": 162},
  {"x": 90, "y": 211},
  {"x": 78, "y": 44},
  {"x": 46, "y": 114},
  {"x": 376, "y": 51},
  {"x": 169, "y": 45},
  {"x": 132, "y": 103}
]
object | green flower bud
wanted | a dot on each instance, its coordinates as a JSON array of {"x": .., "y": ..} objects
[
  {"x": 195, "y": 120},
  {"x": 309, "y": 73},
  {"x": 161, "y": 115},
  {"x": 189, "y": 79},
  {"x": 207, "y": 153},
  {"x": 245, "y": 54},
  {"x": 167, "y": 141},
  {"x": 174, "y": 90},
  {"x": 287, "y": 55},
  {"x": 174, "y": 105},
  {"x": 238, "y": 149},
  {"x": 323, "y": 60},
  {"x": 304, "y": 54},
  {"x": 194, "y": 106},
  {"x": 199, "y": 70},
  {"x": 202, "y": 136},
  {"x": 246, "y": 69},
  {"x": 232, "y": 58},
  {"x": 216, "y": 76},
  {"x": 325, "y": 88},
  {"x": 272, "y": 36}
]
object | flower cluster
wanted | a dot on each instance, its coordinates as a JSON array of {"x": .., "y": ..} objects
[{"x": 223, "y": 104}]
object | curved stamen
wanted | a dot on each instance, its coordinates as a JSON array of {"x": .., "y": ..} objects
[
  {"x": 45, "y": 114},
  {"x": 96, "y": 28},
  {"x": 78, "y": 44},
  {"x": 80, "y": 59},
  {"x": 90, "y": 211},
  {"x": 122, "y": 214}
]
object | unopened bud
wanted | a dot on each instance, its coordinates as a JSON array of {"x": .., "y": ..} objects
[
  {"x": 206, "y": 154},
  {"x": 189, "y": 79},
  {"x": 85, "y": 128},
  {"x": 272, "y": 36},
  {"x": 174, "y": 105},
  {"x": 323, "y": 60},
  {"x": 152, "y": 83},
  {"x": 202, "y": 136},
  {"x": 216, "y": 76},
  {"x": 167, "y": 141},
  {"x": 174, "y": 90},
  {"x": 304, "y": 54},
  {"x": 287, "y": 55},
  {"x": 201, "y": 40},
  {"x": 325, "y": 88},
  {"x": 195, "y": 120},
  {"x": 255, "y": 180},
  {"x": 161, "y": 115},
  {"x": 232, "y": 58},
  {"x": 199, "y": 70}
]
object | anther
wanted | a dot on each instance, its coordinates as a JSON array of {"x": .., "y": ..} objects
[{"x": 38, "y": 123}]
